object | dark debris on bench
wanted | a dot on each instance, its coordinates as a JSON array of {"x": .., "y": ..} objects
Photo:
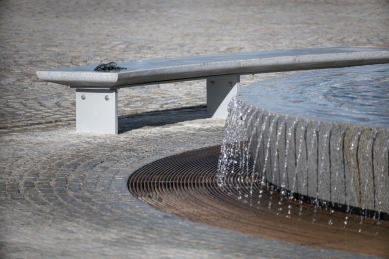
[{"x": 109, "y": 67}]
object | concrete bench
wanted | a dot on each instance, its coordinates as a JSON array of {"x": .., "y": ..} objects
[{"x": 96, "y": 92}]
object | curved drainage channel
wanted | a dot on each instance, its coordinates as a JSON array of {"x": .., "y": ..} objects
[{"x": 184, "y": 185}]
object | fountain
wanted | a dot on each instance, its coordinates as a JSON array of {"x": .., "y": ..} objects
[
  {"x": 304, "y": 160},
  {"x": 320, "y": 137}
]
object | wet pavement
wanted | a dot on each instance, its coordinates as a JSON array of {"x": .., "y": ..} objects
[{"x": 64, "y": 195}]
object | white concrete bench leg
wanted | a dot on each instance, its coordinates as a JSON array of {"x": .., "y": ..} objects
[
  {"x": 97, "y": 111},
  {"x": 220, "y": 90}
]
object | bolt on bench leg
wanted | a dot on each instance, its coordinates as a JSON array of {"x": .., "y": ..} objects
[
  {"x": 220, "y": 90},
  {"x": 96, "y": 111}
]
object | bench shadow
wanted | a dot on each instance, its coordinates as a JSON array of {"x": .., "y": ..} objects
[{"x": 160, "y": 118}]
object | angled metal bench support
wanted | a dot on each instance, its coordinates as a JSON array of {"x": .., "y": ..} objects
[{"x": 220, "y": 90}]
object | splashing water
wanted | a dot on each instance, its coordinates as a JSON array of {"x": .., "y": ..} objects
[{"x": 333, "y": 165}]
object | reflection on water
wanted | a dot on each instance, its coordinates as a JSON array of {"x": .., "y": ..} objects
[{"x": 357, "y": 95}]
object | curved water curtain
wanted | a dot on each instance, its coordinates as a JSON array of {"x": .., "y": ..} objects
[{"x": 320, "y": 136}]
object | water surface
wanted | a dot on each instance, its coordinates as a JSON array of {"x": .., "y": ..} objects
[{"x": 356, "y": 95}]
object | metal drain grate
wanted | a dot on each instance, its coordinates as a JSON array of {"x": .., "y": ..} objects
[{"x": 184, "y": 185}]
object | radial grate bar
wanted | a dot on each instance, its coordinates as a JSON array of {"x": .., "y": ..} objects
[{"x": 184, "y": 185}]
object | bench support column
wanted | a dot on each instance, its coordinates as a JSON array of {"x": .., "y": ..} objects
[
  {"x": 220, "y": 90},
  {"x": 97, "y": 110}
]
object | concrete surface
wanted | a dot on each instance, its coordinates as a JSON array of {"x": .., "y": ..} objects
[{"x": 197, "y": 67}]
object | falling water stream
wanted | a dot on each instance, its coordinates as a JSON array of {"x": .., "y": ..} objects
[{"x": 320, "y": 138}]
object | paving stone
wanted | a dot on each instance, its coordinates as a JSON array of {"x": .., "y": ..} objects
[{"x": 64, "y": 194}]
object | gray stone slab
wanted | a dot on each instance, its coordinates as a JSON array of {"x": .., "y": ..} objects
[
  {"x": 312, "y": 159},
  {"x": 381, "y": 170},
  {"x": 189, "y": 68},
  {"x": 338, "y": 166},
  {"x": 290, "y": 153},
  {"x": 301, "y": 172}
]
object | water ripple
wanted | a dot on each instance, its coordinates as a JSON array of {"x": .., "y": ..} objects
[{"x": 357, "y": 95}]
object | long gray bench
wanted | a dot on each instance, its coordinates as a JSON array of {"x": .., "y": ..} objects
[{"x": 96, "y": 92}]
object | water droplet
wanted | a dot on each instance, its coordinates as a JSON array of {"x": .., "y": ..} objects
[
  {"x": 345, "y": 222},
  {"x": 359, "y": 230},
  {"x": 239, "y": 197},
  {"x": 330, "y": 222},
  {"x": 313, "y": 220}
]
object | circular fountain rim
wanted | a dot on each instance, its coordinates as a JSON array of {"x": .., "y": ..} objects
[{"x": 278, "y": 96}]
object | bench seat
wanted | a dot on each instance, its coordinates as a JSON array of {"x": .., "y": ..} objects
[{"x": 96, "y": 92}]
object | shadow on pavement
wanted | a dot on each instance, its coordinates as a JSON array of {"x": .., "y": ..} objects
[{"x": 161, "y": 118}]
